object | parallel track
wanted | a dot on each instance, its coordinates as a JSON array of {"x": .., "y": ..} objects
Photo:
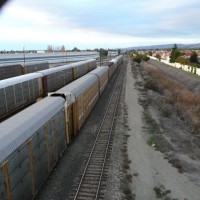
[{"x": 91, "y": 182}]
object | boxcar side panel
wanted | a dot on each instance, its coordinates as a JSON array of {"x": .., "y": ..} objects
[
  {"x": 34, "y": 67},
  {"x": 84, "y": 104},
  {"x": 14, "y": 97},
  {"x": 9, "y": 71},
  {"x": 59, "y": 79},
  {"x": 70, "y": 122},
  {"x": 103, "y": 82}
]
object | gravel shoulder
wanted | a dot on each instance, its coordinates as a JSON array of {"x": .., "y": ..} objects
[{"x": 154, "y": 177}]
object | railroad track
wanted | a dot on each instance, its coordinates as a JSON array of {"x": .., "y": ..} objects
[{"x": 92, "y": 182}]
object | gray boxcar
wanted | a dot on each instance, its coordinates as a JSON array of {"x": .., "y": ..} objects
[
  {"x": 30, "y": 145},
  {"x": 57, "y": 77},
  {"x": 10, "y": 70},
  {"x": 83, "y": 67},
  {"x": 19, "y": 91},
  {"x": 31, "y": 67}
]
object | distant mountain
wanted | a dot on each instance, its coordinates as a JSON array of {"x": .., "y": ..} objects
[{"x": 165, "y": 46}]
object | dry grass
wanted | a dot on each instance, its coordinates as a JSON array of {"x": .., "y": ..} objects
[
  {"x": 127, "y": 179},
  {"x": 187, "y": 102}
]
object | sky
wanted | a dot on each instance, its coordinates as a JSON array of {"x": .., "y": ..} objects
[{"x": 89, "y": 24}]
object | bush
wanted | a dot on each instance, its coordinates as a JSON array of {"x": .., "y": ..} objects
[{"x": 187, "y": 102}]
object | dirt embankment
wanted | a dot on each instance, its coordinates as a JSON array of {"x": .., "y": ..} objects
[{"x": 162, "y": 147}]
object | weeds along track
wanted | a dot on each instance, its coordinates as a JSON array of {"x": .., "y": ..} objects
[{"x": 92, "y": 182}]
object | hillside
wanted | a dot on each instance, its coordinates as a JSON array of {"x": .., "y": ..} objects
[{"x": 165, "y": 46}]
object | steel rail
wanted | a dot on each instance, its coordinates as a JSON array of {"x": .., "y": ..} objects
[{"x": 97, "y": 137}]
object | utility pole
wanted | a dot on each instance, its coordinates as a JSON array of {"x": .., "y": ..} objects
[
  {"x": 66, "y": 55},
  {"x": 100, "y": 57},
  {"x": 24, "y": 53}
]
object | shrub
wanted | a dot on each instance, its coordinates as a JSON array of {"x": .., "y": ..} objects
[{"x": 187, "y": 102}]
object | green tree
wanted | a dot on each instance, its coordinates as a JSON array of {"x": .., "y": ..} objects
[
  {"x": 103, "y": 52},
  {"x": 137, "y": 58},
  {"x": 194, "y": 57},
  {"x": 182, "y": 60},
  {"x": 76, "y": 49},
  {"x": 175, "y": 53},
  {"x": 158, "y": 56},
  {"x": 145, "y": 57},
  {"x": 150, "y": 53}
]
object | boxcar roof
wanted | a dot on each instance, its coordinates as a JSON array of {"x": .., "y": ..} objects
[
  {"x": 64, "y": 67},
  {"x": 35, "y": 63},
  {"x": 55, "y": 69},
  {"x": 19, "y": 128},
  {"x": 18, "y": 79},
  {"x": 78, "y": 64},
  {"x": 99, "y": 71},
  {"x": 114, "y": 60},
  {"x": 10, "y": 65},
  {"x": 85, "y": 61},
  {"x": 76, "y": 88}
]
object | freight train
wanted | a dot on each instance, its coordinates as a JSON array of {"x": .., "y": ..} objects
[
  {"x": 20, "y": 91},
  {"x": 32, "y": 141},
  {"x": 13, "y": 70}
]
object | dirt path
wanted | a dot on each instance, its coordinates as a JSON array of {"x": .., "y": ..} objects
[{"x": 153, "y": 176}]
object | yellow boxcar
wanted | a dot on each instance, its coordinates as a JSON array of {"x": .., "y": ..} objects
[
  {"x": 81, "y": 96},
  {"x": 103, "y": 75}
]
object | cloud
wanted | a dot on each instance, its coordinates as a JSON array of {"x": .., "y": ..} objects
[{"x": 92, "y": 22}]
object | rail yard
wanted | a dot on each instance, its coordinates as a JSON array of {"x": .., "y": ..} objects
[
  {"x": 29, "y": 153},
  {"x": 146, "y": 173},
  {"x": 90, "y": 140}
]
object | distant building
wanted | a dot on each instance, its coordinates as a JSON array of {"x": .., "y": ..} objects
[{"x": 40, "y": 51}]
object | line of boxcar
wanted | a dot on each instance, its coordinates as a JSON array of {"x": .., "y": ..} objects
[
  {"x": 13, "y": 70},
  {"x": 20, "y": 91},
  {"x": 32, "y": 141}
]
